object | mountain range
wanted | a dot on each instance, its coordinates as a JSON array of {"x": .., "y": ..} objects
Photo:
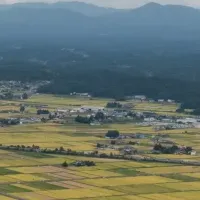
[{"x": 66, "y": 19}]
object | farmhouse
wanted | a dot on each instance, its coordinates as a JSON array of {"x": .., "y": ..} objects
[
  {"x": 92, "y": 108},
  {"x": 80, "y": 94},
  {"x": 140, "y": 97},
  {"x": 150, "y": 119},
  {"x": 95, "y": 124},
  {"x": 62, "y": 110},
  {"x": 193, "y": 153},
  {"x": 187, "y": 120},
  {"x": 29, "y": 120},
  {"x": 161, "y": 100},
  {"x": 170, "y": 101}
]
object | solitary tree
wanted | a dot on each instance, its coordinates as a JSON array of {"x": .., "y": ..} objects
[
  {"x": 25, "y": 96},
  {"x": 65, "y": 164},
  {"x": 22, "y": 108}
]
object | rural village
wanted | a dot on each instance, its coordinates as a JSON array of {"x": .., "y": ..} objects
[
  {"x": 79, "y": 147},
  {"x": 114, "y": 112}
]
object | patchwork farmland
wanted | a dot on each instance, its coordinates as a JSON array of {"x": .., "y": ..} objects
[
  {"x": 36, "y": 175},
  {"x": 30, "y": 177}
]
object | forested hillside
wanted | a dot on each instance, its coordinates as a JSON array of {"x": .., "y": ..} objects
[{"x": 152, "y": 50}]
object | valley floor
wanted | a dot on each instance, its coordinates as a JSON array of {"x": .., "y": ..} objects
[{"x": 40, "y": 176}]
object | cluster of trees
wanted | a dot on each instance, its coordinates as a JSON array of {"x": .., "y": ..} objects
[
  {"x": 99, "y": 116},
  {"x": 8, "y": 96},
  {"x": 42, "y": 112},
  {"x": 99, "y": 145},
  {"x": 83, "y": 120},
  {"x": 9, "y": 122},
  {"x": 171, "y": 149},
  {"x": 21, "y": 147},
  {"x": 112, "y": 134},
  {"x": 114, "y": 105},
  {"x": 24, "y": 95},
  {"x": 196, "y": 111},
  {"x": 84, "y": 163},
  {"x": 79, "y": 163},
  {"x": 9, "y": 111},
  {"x": 188, "y": 105}
]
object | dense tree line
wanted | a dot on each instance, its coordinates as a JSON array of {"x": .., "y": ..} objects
[
  {"x": 83, "y": 120},
  {"x": 114, "y": 105},
  {"x": 99, "y": 116},
  {"x": 112, "y": 83},
  {"x": 132, "y": 68},
  {"x": 171, "y": 149},
  {"x": 42, "y": 112},
  {"x": 115, "y": 84},
  {"x": 9, "y": 121}
]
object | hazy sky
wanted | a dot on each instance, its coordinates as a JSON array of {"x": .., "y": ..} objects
[{"x": 119, "y": 3}]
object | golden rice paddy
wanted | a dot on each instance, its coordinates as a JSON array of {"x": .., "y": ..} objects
[{"x": 31, "y": 176}]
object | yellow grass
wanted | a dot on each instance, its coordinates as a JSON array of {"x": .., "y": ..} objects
[
  {"x": 160, "y": 196},
  {"x": 134, "y": 198},
  {"x": 6, "y": 198},
  {"x": 183, "y": 186},
  {"x": 195, "y": 175},
  {"x": 174, "y": 156},
  {"x": 6, "y": 179},
  {"x": 102, "y": 173},
  {"x": 69, "y": 176},
  {"x": 66, "y": 101},
  {"x": 127, "y": 164},
  {"x": 18, "y": 162},
  {"x": 186, "y": 195},
  {"x": 62, "y": 184},
  {"x": 32, "y": 196},
  {"x": 54, "y": 161},
  {"x": 91, "y": 182},
  {"x": 3, "y": 165},
  {"x": 82, "y": 174},
  {"x": 127, "y": 181},
  {"x": 119, "y": 198},
  {"x": 4, "y": 152},
  {"x": 40, "y": 169},
  {"x": 168, "y": 170},
  {"x": 26, "y": 187},
  {"x": 79, "y": 193},
  {"x": 25, "y": 177},
  {"x": 76, "y": 184},
  {"x": 168, "y": 109}
]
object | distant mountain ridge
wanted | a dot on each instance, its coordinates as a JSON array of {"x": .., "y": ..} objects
[
  {"x": 80, "y": 7},
  {"x": 156, "y": 14},
  {"x": 79, "y": 19}
]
